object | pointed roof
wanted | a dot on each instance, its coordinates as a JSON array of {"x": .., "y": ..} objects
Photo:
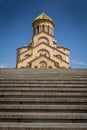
[{"x": 43, "y": 16}]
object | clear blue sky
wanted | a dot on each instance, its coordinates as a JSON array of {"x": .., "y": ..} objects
[{"x": 70, "y": 18}]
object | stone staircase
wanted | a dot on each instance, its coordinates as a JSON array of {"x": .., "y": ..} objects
[{"x": 52, "y": 99}]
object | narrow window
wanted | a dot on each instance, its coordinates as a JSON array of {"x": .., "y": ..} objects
[
  {"x": 42, "y": 27},
  {"x": 37, "y": 29}
]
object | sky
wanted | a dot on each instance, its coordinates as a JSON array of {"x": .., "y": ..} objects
[{"x": 70, "y": 17}]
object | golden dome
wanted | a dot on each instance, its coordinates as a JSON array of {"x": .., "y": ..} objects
[{"x": 41, "y": 17}]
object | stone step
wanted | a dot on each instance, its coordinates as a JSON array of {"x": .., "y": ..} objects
[
  {"x": 45, "y": 99},
  {"x": 43, "y": 89},
  {"x": 45, "y": 85},
  {"x": 49, "y": 107},
  {"x": 41, "y": 94},
  {"x": 56, "y": 100},
  {"x": 44, "y": 81},
  {"x": 62, "y": 83},
  {"x": 30, "y": 71},
  {"x": 42, "y": 76},
  {"x": 45, "y": 72},
  {"x": 42, "y": 71},
  {"x": 42, "y": 126},
  {"x": 45, "y": 110},
  {"x": 38, "y": 116}
]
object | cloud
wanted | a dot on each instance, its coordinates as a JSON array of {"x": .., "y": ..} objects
[
  {"x": 2, "y": 66},
  {"x": 6, "y": 65},
  {"x": 79, "y": 63}
]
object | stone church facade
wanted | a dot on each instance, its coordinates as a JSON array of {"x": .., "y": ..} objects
[{"x": 43, "y": 51}]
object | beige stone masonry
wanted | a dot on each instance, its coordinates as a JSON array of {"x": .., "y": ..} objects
[{"x": 43, "y": 51}]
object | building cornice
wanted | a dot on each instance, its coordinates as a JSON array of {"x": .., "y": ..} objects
[
  {"x": 61, "y": 59},
  {"x": 50, "y": 47},
  {"x": 44, "y": 57}
]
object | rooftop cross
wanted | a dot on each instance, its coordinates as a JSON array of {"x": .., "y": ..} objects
[{"x": 43, "y": 10}]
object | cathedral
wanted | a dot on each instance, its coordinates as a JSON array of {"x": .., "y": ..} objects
[{"x": 43, "y": 50}]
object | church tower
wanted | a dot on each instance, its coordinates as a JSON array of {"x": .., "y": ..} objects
[{"x": 43, "y": 51}]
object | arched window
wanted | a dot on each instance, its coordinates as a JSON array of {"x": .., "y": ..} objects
[
  {"x": 37, "y": 29},
  {"x": 27, "y": 55},
  {"x": 58, "y": 56},
  {"x": 57, "y": 65},
  {"x": 42, "y": 27},
  {"x": 43, "y": 64},
  {"x": 43, "y": 39},
  {"x": 44, "y": 52}
]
